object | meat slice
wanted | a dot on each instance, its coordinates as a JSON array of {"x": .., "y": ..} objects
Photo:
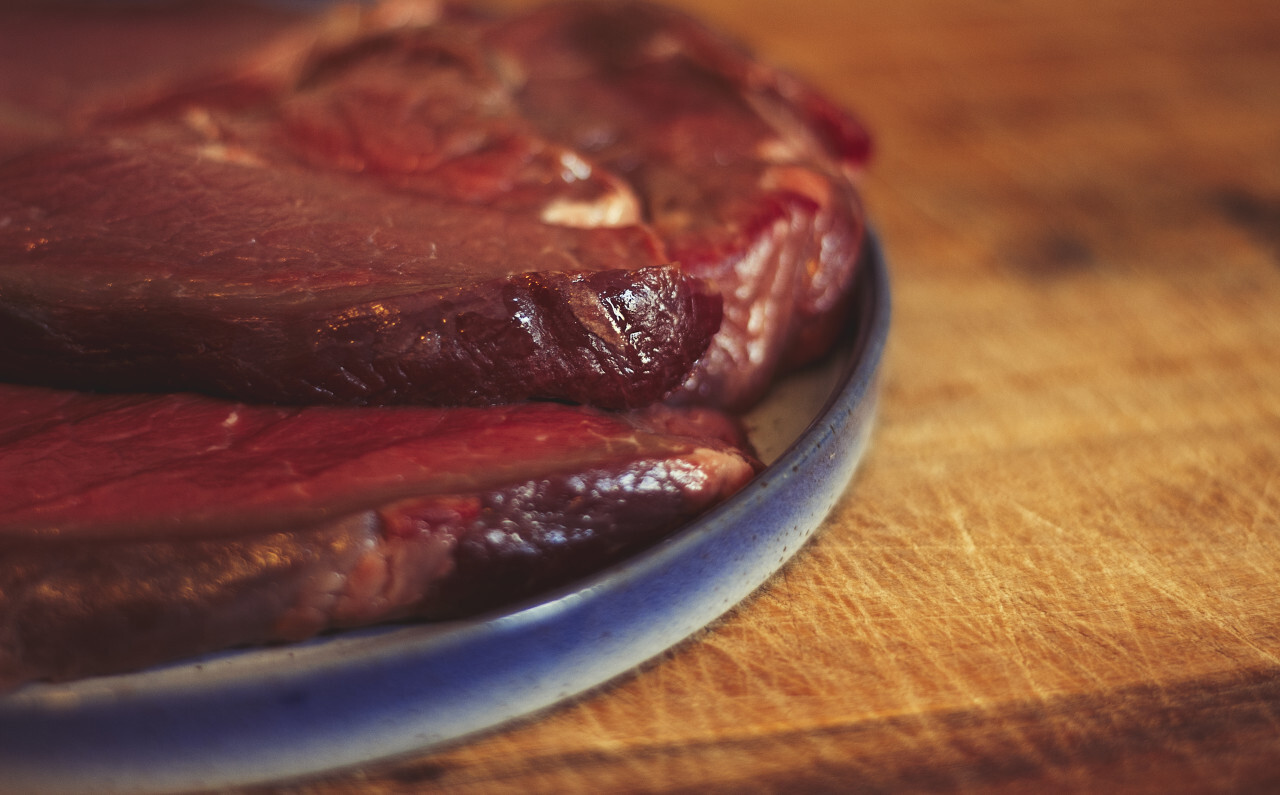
[
  {"x": 163, "y": 261},
  {"x": 66, "y": 65},
  {"x": 140, "y": 529},
  {"x": 425, "y": 110},
  {"x": 565, "y": 203},
  {"x": 381, "y": 228},
  {"x": 744, "y": 172}
]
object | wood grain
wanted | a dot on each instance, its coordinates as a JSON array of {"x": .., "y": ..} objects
[{"x": 1060, "y": 566}]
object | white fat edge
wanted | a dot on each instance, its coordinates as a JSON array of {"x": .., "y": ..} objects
[
  {"x": 798, "y": 179},
  {"x": 779, "y": 150},
  {"x": 615, "y": 209},
  {"x": 229, "y": 153}
]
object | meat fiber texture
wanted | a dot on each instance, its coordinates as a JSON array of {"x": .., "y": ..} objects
[
  {"x": 370, "y": 237},
  {"x": 193, "y": 243},
  {"x": 410, "y": 203},
  {"x": 744, "y": 172},
  {"x": 139, "y": 529}
]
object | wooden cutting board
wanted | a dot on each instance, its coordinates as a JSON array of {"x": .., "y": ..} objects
[{"x": 1060, "y": 566}]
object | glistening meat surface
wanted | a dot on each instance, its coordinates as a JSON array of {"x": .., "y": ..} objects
[
  {"x": 744, "y": 172},
  {"x": 558, "y": 145},
  {"x": 151, "y": 263},
  {"x": 136, "y": 530},
  {"x": 389, "y": 205}
]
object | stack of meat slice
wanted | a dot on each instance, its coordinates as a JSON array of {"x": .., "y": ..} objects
[
  {"x": 142, "y": 528},
  {"x": 391, "y": 311}
]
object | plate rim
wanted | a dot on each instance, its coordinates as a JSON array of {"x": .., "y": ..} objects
[{"x": 102, "y": 717}]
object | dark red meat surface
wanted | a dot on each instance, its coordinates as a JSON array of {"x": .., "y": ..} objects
[
  {"x": 368, "y": 237},
  {"x": 63, "y": 66},
  {"x": 288, "y": 285},
  {"x": 386, "y": 230},
  {"x": 744, "y": 172},
  {"x": 138, "y": 529},
  {"x": 432, "y": 207}
]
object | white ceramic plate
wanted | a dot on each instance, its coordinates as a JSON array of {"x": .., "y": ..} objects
[{"x": 270, "y": 714}]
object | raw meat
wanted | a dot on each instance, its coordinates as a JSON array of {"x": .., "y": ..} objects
[
  {"x": 151, "y": 263},
  {"x": 399, "y": 203},
  {"x": 140, "y": 529},
  {"x": 555, "y": 150},
  {"x": 744, "y": 172},
  {"x": 183, "y": 246},
  {"x": 67, "y": 66}
]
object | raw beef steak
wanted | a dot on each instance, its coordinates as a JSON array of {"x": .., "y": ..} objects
[
  {"x": 135, "y": 530},
  {"x": 330, "y": 216},
  {"x": 155, "y": 263},
  {"x": 582, "y": 191},
  {"x": 744, "y": 172},
  {"x": 441, "y": 254}
]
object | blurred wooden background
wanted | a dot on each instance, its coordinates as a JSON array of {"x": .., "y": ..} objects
[{"x": 1060, "y": 567}]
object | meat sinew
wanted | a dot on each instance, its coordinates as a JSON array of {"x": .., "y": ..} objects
[
  {"x": 452, "y": 210},
  {"x": 139, "y": 529}
]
